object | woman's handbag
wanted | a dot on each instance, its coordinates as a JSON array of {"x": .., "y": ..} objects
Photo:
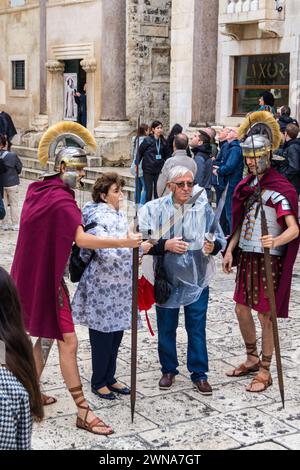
[{"x": 76, "y": 264}]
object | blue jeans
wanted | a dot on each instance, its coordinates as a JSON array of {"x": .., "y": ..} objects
[
  {"x": 195, "y": 324},
  {"x": 228, "y": 208},
  {"x": 141, "y": 199}
]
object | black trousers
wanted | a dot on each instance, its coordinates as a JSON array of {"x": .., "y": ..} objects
[
  {"x": 151, "y": 185},
  {"x": 105, "y": 347}
]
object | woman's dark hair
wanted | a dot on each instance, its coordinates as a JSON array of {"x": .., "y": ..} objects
[
  {"x": 176, "y": 129},
  {"x": 142, "y": 130},
  {"x": 285, "y": 111},
  {"x": 268, "y": 98},
  {"x": 104, "y": 182},
  {"x": 204, "y": 137},
  {"x": 19, "y": 352},
  {"x": 3, "y": 140},
  {"x": 155, "y": 124}
]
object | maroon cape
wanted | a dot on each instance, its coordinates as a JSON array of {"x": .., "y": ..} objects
[
  {"x": 49, "y": 220},
  {"x": 273, "y": 181}
]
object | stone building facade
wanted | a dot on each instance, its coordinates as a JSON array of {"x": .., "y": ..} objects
[
  {"x": 196, "y": 62},
  {"x": 120, "y": 48},
  {"x": 225, "y": 53}
]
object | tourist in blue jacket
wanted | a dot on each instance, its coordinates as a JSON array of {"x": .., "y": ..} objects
[{"x": 231, "y": 170}]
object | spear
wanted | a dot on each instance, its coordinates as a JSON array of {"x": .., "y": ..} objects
[
  {"x": 270, "y": 286},
  {"x": 135, "y": 277}
]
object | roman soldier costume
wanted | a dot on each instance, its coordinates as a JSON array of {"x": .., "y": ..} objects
[{"x": 279, "y": 198}]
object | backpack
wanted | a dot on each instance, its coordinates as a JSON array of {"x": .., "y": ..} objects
[{"x": 76, "y": 264}]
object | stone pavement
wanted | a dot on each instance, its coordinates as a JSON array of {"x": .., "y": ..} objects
[{"x": 180, "y": 418}]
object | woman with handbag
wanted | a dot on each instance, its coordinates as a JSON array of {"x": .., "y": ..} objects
[{"x": 102, "y": 301}]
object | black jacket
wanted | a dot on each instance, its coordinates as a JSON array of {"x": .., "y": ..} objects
[
  {"x": 148, "y": 152},
  {"x": 291, "y": 152},
  {"x": 13, "y": 166},
  {"x": 202, "y": 155},
  {"x": 7, "y": 126},
  {"x": 283, "y": 121}
]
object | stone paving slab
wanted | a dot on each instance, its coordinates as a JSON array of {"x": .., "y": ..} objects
[
  {"x": 189, "y": 436},
  {"x": 173, "y": 408},
  {"x": 180, "y": 418},
  {"x": 290, "y": 442},
  {"x": 249, "y": 426},
  {"x": 264, "y": 446},
  {"x": 61, "y": 433},
  {"x": 231, "y": 397}
]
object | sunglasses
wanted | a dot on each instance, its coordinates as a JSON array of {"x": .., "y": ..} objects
[{"x": 181, "y": 184}]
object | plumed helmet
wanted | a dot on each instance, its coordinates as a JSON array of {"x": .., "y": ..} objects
[
  {"x": 259, "y": 134},
  {"x": 74, "y": 157}
]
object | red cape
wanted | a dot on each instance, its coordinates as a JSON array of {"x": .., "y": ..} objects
[
  {"x": 273, "y": 181},
  {"x": 49, "y": 220}
]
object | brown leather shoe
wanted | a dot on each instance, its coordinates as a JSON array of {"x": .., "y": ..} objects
[
  {"x": 203, "y": 387},
  {"x": 166, "y": 381}
]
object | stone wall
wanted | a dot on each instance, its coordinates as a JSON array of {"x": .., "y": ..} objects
[
  {"x": 148, "y": 60},
  {"x": 182, "y": 62}
]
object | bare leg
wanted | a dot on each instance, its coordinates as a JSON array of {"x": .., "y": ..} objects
[
  {"x": 40, "y": 359},
  {"x": 69, "y": 368},
  {"x": 248, "y": 331},
  {"x": 267, "y": 351}
]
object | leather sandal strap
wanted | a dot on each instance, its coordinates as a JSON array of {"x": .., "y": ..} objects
[
  {"x": 95, "y": 422},
  {"x": 266, "y": 359},
  {"x": 260, "y": 379},
  {"x": 251, "y": 349},
  {"x": 80, "y": 403},
  {"x": 76, "y": 389},
  {"x": 76, "y": 393}
]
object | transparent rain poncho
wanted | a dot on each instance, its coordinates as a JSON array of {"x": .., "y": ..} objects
[{"x": 188, "y": 273}]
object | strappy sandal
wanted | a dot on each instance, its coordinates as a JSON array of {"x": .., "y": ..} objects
[
  {"x": 46, "y": 400},
  {"x": 242, "y": 369},
  {"x": 266, "y": 382},
  {"x": 77, "y": 393}
]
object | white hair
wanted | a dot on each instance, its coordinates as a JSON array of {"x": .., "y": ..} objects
[{"x": 178, "y": 171}]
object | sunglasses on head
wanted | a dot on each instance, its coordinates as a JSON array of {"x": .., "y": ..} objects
[{"x": 181, "y": 184}]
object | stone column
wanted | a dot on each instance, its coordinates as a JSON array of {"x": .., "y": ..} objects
[
  {"x": 43, "y": 54},
  {"x": 113, "y": 121},
  {"x": 205, "y": 63},
  {"x": 40, "y": 121},
  {"x": 55, "y": 91},
  {"x": 89, "y": 65}
]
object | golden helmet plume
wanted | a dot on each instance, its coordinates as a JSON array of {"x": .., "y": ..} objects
[
  {"x": 61, "y": 131},
  {"x": 261, "y": 122}
]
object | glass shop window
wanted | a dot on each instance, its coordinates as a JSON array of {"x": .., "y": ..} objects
[{"x": 255, "y": 74}]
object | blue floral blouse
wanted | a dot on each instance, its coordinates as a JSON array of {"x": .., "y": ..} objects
[{"x": 103, "y": 298}]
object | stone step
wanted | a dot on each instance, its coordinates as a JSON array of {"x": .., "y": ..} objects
[
  {"x": 127, "y": 190},
  {"x": 22, "y": 151},
  {"x": 92, "y": 173},
  {"x": 34, "y": 164}
]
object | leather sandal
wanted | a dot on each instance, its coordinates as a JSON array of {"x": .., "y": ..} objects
[
  {"x": 259, "y": 378},
  {"x": 262, "y": 380},
  {"x": 46, "y": 400},
  {"x": 242, "y": 369},
  {"x": 77, "y": 393}
]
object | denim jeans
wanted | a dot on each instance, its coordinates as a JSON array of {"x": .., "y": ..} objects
[{"x": 195, "y": 324}]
